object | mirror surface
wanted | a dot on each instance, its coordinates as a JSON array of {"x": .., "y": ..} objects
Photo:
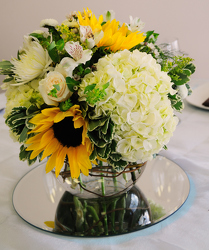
[{"x": 163, "y": 184}]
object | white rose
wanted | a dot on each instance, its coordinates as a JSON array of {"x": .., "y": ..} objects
[{"x": 46, "y": 85}]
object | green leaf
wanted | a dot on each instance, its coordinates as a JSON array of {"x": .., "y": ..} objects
[
  {"x": 60, "y": 44},
  {"x": 23, "y": 135},
  {"x": 105, "y": 127},
  {"x": 191, "y": 67},
  {"x": 115, "y": 156},
  {"x": 89, "y": 88},
  {"x": 8, "y": 79},
  {"x": 29, "y": 125},
  {"x": 94, "y": 137},
  {"x": 101, "y": 151},
  {"x": 5, "y": 65},
  {"x": 187, "y": 72},
  {"x": 32, "y": 109},
  {"x": 52, "y": 46},
  {"x": 183, "y": 78},
  {"x": 118, "y": 165},
  {"x": 53, "y": 53},
  {"x": 71, "y": 83},
  {"x": 110, "y": 132},
  {"x": 93, "y": 155},
  {"x": 93, "y": 124},
  {"x": 23, "y": 155}
]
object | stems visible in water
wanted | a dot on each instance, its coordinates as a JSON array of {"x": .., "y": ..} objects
[
  {"x": 133, "y": 176},
  {"x": 112, "y": 217},
  {"x": 115, "y": 183},
  {"x": 80, "y": 180},
  {"x": 125, "y": 177},
  {"x": 121, "y": 214},
  {"x": 104, "y": 204},
  {"x": 79, "y": 214}
]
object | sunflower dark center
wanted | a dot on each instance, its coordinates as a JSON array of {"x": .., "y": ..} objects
[{"x": 66, "y": 134}]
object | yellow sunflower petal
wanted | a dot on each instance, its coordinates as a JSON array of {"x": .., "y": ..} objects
[
  {"x": 83, "y": 156},
  {"x": 60, "y": 160},
  {"x": 41, "y": 128},
  {"x": 50, "y": 112},
  {"x": 51, "y": 162},
  {"x": 36, "y": 119},
  {"x": 33, "y": 146},
  {"x": 34, "y": 139},
  {"x": 47, "y": 137},
  {"x": 72, "y": 158},
  {"x": 36, "y": 153},
  {"x": 52, "y": 146},
  {"x": 59, "y": 117}
]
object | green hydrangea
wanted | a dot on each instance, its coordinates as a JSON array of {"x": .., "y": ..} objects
[{"x": 23, "y": 95}]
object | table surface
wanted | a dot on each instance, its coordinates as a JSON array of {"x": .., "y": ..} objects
[{"x": 188, "y": 228}]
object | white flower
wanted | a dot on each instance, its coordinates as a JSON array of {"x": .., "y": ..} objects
[
  {"x": 79, "y": 56},
  {"x": 47, "y": 84},
  {"x": 34, "y": 61},
  {"x": 137, "y": 102},
  {"x": 108, "y": 15},
  {"x": 86, "y": 36},
  {"x": 182, "y": 91},
  {"x": 135, "y": 24},
  {"x": 23, "y": 95},
  {"x": 71, "y": 24},
  {"x": 49, "y": 22}
]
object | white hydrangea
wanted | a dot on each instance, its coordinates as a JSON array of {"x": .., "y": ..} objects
[
  {"x": 137, "y": 102},
  {"x": 23, "y": 95}
]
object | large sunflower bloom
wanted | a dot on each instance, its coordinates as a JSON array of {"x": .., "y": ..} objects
[
  {"x": 59, "y": 134},
  {"x": 114, "y": 37}
]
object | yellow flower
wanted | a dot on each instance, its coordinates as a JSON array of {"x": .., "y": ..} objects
[
  {"x": 60, "y": 134},
  {"x": 114, "y": 37}
]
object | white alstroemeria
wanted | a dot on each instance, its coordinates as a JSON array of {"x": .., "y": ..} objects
[
  {"x": 49, "y": 22},
  {"x": 79, "y": 56},
  {"x": 34, "y": 61},
  {"x": 182, "y": 91},
  {"x": 98, "y": 36},
  {"x": 108, "y": 15},
  {"x": 135, "y": 24},
  {"x": 86, "y": 36}
]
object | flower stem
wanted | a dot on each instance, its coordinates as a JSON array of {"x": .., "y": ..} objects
[{"x": 104, "y": 204}]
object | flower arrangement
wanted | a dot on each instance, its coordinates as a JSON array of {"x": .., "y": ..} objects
[{"x": 93, "y": 89}]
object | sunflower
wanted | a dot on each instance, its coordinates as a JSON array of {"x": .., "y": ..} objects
[
  {"x": 59, "y": 134},
  {"x": 114, "y": 37}
]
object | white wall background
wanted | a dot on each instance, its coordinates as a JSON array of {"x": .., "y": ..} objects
[{"x": 187, "y": 20}]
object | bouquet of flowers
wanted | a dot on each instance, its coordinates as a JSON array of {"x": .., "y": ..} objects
[{"x": 93, "y": 90}]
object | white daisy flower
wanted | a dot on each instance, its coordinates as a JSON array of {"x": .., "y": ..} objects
[
  {"x": 49, "y": 22},
  {"x": 34, "y": 61}
]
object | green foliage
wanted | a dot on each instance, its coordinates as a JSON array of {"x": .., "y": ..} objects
[
  {"x": 72, "y": 84},
  {"x": 100, "y": 132},
  {"x": 176, "y": 102},
  {"x": 64, "y": 106},
  {"x": 44, "y": 41},
  {"x": 67, "y": 34},
  {"x": 179, "y": 69},
  {"x": 6, "y": 69},
  {"x": 93, "y": 94},
  {"x": 53, "y": 92},
  {"x": 18, "y": 121}
]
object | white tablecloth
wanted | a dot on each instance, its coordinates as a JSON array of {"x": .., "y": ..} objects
[{"x": 188, "y": 228}]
